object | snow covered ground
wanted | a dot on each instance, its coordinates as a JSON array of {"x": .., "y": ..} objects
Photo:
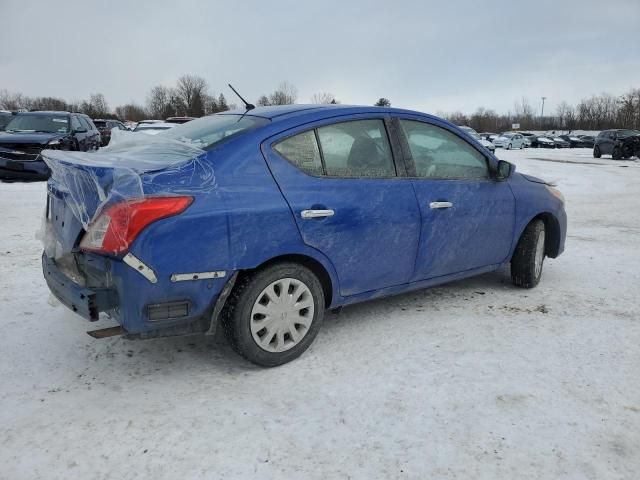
[{"x": 476, "y": 379}]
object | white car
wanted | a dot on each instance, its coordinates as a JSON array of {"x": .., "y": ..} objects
[
  {"x": 485, "y": 143},
  {"x": 509, "y": 140},
  {"x": 153, "y": 128}
]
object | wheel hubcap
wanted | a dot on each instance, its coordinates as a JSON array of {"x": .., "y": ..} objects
[
  {"x": 539, "y": 254},
  {"x": 281, "y": 315}
]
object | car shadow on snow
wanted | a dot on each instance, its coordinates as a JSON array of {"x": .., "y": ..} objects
[{"x": 171, "y": 354}]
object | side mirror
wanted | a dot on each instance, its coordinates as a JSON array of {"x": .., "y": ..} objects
[
  {"x": 80, "y": 130},
  {"x": 504, "y": 170}
]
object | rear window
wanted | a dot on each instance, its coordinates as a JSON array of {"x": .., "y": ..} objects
[
  {"x": 208, "y": 131},
  {"x": 100, "y": 123}
]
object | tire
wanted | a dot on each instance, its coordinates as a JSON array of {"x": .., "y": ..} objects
[
  {"x": 596, "y": 152},
  {"x": 242, "y": 314},
  {"x": 616, "y": 154},
  {"x": 521, "y": 146},
  {"x": 527, "y": 260},
  {"x": 509, "y": 147}
]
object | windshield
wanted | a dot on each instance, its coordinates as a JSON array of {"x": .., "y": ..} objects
[
  {"x": 39, "y": 123},
  {"x": 207, "y": 131},
  {"x": 627, "y": 133},
  {"x": 508, "y": 135}
]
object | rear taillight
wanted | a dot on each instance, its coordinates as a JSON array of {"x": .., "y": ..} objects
[{"x": 117, "y": 227}]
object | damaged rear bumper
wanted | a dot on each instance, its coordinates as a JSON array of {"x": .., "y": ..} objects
[{"x": 86, "y": 302}]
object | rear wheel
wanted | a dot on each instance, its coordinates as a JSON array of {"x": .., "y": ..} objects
[
  {"x": 527, "y": 260},
  {"x": 274, "y": 314},
  {"x": 596, "y": 152}
]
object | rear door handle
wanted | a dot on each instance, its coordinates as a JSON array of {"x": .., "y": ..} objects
[
  {"x": 435, "y": 205},
  {"x": 317, "y": 213}
]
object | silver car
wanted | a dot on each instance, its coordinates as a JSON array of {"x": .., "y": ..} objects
[{"x": 510, "y": 140}]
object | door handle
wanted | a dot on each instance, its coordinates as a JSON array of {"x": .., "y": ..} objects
[
  {"x": 317, "y": 213},
  {"x": 435, "y": 205}
]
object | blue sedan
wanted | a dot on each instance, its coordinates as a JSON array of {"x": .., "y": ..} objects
[{"x": 258, "y": 221}]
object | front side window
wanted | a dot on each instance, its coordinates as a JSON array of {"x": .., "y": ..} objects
[
  {"x": 438, "y": 153},
  {"x": 75, "y": 123},
  {"x": 356, "y": 149},
  {"x": 352, "y": 149}
]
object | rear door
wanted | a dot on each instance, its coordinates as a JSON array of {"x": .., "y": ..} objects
[
  {"x": 344, "y": 189},
  {"x": 467, "y": 218}
]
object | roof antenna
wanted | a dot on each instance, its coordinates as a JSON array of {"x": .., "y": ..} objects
[{"x": 248, "y": 106}]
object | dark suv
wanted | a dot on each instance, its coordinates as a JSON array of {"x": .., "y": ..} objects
[
  {"x": 30, "y": 132},
  {"x": 105, "y": 126},
  {"x": 619, "y": 143}
]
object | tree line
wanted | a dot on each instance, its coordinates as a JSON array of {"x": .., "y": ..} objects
[
  {"x": 191, "y": 96},
  {"x": 597, "y": 112}
]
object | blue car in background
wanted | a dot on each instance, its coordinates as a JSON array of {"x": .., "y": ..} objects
[{"x": 279, "y": 213}]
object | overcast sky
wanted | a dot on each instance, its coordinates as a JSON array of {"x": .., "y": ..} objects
[{"x": 428, "y": 56}]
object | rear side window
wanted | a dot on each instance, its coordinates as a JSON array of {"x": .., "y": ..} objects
[
  {"x": 353, "y": 149},
  {"x": 438, "y": 153},
  {"x": 302, "y": 150}
]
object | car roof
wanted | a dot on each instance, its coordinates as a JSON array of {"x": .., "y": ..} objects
[
  {"x": 318, "y": 112},
  {"x": 48, "y": 112}
]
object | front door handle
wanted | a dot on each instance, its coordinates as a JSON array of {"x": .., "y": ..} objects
[
  {"x": 317, "y": 213},
  {"x": 435, "y": 205}
]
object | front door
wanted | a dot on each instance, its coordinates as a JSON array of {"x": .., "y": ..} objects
[
  {"x": 341, "y": 182},
  {"x": 467, "y": 217}
]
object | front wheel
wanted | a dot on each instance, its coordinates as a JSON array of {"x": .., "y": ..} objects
[
  {"x": 596, "y": 152},
  {"x": 509, "y": 147},
  {"x": 616, "y": 154},
  {"x": 527, "y": 260},
  {"x": 274, "y": 314}
]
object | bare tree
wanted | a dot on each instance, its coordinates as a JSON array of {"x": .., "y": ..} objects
[
  {"x": 263, "y": 101},
  {"x": 285, "y": 94},
  {"x": 323, "y": 98},
  {"x": 191, "y": 92},
  {"x": 159, "y": 102},
  {"x": 131, "y": 111}
]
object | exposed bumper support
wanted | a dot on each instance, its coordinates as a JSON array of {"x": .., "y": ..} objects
[{"x": 86, "y": 302}]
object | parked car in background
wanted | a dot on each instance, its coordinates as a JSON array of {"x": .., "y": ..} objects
[
  {"x": 545, "y": 142},
  {"x": 560, "y": 142},
  {"x": 485, "y": 143},
  {"x": 105, "y": 127},
  {"x": 179, "y": 120},
  {"x": 315, "y": 207},
  {"x": 619, "y": 143},
  {"x": 488, "y": 136},
  {"x": 531, "y": 139},
  {"x": 509, "y": 140},
  {"x": 588, "y": 141},
  {"x": 574, "y": 141},
  {"x": 28, "y": 133},
  {"x": 5, "y": 118},
  {"x": 153, "y": 128}
]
